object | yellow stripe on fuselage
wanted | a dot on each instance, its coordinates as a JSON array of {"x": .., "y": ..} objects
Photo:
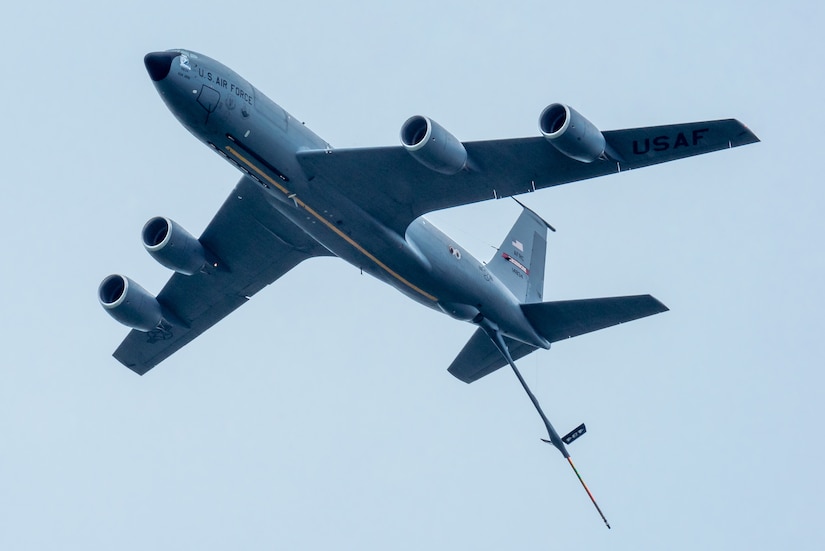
[{"x": 327, "y": 223}]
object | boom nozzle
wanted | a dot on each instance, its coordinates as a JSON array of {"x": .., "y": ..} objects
[{"x": 586, "y": 489}]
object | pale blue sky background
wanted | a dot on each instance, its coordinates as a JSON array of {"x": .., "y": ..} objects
[{"x": 321, "y": 415}]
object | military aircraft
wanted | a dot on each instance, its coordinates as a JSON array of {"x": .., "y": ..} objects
[{"x": 299, "y": 198}]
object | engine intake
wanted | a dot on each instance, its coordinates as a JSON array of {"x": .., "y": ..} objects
[
  {"x": 432, "y": 146},
  {"x": 571, "y": 133},
  {"x": 129, "y": 303},
  {"x": 173, "y": 246}
]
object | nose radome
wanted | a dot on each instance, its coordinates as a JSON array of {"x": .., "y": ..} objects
[{"x": 159, "y": 63}]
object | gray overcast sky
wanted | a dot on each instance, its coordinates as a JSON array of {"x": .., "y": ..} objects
[{"x": 321, "y": 415}]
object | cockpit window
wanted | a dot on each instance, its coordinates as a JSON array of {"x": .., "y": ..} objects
[{"x": 184, "y": 62}]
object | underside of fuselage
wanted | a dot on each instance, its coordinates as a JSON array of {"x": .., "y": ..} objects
[{"x": 260, "y": 139}]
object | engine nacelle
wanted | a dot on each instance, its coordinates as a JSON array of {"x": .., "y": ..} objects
[
  {"x": 129, "y": 303},
  {"x": 571, "y": 133},
  {"x": 432, "y": 146},
  {"x": 173, "y": 246}
]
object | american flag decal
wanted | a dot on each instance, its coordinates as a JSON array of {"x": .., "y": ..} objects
[{"x": 518, "y": 244}]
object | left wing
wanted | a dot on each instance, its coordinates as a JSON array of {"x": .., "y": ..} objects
[
  {"x": 394, "y": 188},
  {"x": 256, "y": 244}
]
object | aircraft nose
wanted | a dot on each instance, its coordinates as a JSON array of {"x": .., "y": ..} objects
[{"x": 159, "y": 63}]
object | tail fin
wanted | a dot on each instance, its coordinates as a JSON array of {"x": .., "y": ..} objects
[{"x": 519, "y": 263}]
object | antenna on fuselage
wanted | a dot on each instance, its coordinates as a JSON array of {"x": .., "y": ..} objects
[{"x": 554, "y": 439}]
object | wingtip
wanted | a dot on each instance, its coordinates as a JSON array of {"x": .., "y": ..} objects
[
  {"x": 659, "y": 305},
  {"x": 745, "y": 137}
]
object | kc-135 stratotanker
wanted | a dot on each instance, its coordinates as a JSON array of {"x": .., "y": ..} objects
[{"x": 298, "y": 197}]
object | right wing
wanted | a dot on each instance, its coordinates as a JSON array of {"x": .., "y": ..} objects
[
  {"x": 395, "y": 188},
  {"x": 256, "y": 245}
]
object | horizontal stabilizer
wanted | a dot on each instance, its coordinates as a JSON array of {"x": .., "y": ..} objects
[
  {"x": 556, "y": 321},
  {"x": 480, "y": 357}
]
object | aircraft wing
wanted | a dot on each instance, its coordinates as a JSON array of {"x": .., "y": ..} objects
[
  {"x": 395, "y": 188},
  {"x": 256, "y": 246}
]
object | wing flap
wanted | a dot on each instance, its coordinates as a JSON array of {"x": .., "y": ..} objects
[{"x": 255, "y": 244}]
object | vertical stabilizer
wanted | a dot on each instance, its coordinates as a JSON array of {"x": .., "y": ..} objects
[{"x": 519, "y": 262}]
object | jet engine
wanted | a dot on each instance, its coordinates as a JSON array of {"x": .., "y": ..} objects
[
  {"x": 571, "y": 133},
  {"x": 432, "y": 146},
  {"x": 173, "y": 246},
  {"x": 129, "y": 303}
]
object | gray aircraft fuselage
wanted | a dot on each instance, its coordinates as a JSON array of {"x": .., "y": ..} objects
[{"x": 261, "y": 139}]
